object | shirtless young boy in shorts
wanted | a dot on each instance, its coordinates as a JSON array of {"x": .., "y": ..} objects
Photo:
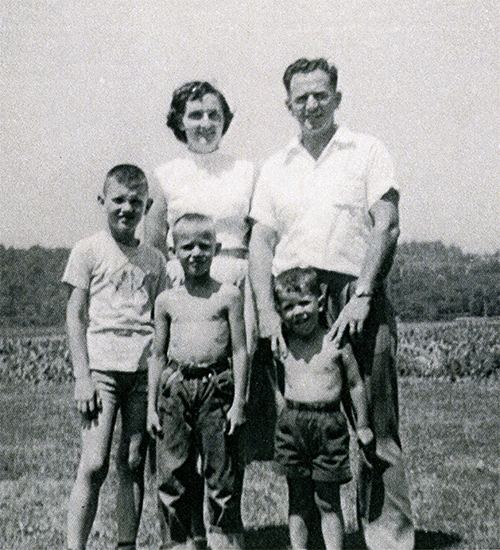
[
  {"x": 197, "y": 387},
  {"x": 312, "y": 438}
]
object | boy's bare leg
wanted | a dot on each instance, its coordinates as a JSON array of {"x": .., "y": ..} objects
[
  {"x": 301, "y": 511},
  {"x": 327, "y": 497},
  {"x": 94, "y": 462},
  {"x": 130, "y": 467}
]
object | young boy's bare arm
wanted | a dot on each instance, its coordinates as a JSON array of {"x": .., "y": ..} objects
[
  {"x": 76, "y": 321},
  {"x": 358, "y": 395},
  {"x": 236, "y": 414},
  {"x": 158, "y": 361}
]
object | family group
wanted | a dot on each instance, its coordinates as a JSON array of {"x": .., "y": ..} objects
[{"x": 242, "y": 286}]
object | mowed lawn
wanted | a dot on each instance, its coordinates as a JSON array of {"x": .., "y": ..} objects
[{"x": 450, "y": 431}]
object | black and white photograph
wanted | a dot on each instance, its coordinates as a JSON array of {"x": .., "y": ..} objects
[{"x": 250, "y": 275}]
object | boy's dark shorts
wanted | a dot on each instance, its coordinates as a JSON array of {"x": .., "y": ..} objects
[{"x": 312, "y": 442}]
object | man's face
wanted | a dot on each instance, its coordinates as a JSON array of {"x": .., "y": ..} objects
[
  {"x": 195, "y": 247},
  {"x": 312, "y": 101}
]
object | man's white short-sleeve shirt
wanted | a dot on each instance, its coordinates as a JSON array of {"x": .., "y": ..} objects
[{"x": 320, "y": 208}]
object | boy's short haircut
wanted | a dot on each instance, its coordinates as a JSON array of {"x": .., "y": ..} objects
[
  {"x": 298, "y": 280},
  {"x": 126, "y": 174},
  {"x": 194, "y": 218}
]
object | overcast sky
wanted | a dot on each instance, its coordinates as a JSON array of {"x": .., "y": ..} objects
[{"x": 86, "y": 85}]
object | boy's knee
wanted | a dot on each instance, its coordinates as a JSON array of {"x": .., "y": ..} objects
[{"x": 95, "y": 468}]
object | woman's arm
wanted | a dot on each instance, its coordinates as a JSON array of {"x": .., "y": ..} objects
[{"x": 155, "y": 222}]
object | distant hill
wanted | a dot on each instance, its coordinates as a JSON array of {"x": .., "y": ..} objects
[
  {"x": 428, "y": 281},
  {"x": 431, "y": 281}
]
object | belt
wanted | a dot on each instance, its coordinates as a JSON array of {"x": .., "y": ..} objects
[
  {"x": 239, "y": 253},
  {"x": 200, "y": 370},
  {"x": 322, "y": 406}
]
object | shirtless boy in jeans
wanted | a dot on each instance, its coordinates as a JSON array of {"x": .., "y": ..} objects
[
  {"x": 197, "y": 388},
  {"x": 312, "y": 438}
]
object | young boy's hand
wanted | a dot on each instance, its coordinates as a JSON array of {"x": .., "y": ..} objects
[
  {"x": 280, "y": 402},
  {"x": 235, "y": 417},
  {"x": 365, "y": 436},
  {"x": 367, "y": 443},
  {"x": 153, "y": 424},
  {"x": 88, "y": 402}
]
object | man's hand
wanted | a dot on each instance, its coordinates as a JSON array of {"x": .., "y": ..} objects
[
  {"x": 352, "y": 318},
  {"x": 153, "y": 423},
  {"x": 235, "y": 417},
  {"x": 87, "y": 399}
]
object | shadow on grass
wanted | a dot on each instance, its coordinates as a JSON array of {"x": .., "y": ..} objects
[
  {"x": 434, "y": 540},
  {"x": 424, "y": 540},
  {"x": 276, "y": 538}
]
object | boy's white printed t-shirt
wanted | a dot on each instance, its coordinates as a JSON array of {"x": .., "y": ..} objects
[
  {"x": 216, "y": 185},
  {"x": 123, "y": 283},
  {"x": 320, "y": 208}
]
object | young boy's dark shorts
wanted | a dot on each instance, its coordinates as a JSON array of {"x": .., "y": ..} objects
[{"x": 312, "y": 441}]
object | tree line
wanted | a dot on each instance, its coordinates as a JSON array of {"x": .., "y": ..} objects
[{"x": 428, "y": 282}]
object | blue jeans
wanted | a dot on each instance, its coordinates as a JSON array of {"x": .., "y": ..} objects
[{"x": 193, "y": 416}]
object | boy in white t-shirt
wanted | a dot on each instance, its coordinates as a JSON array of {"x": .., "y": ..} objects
[{"x": 114, "y": 281}]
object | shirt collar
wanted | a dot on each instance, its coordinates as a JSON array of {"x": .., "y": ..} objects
[{"x": 343, "y": 138}]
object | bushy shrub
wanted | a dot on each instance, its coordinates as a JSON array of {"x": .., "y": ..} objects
[
  {"x": 457, "y": 349},
  {"x": 35, "y": 359},
  {"x": 453, "y": 350}
]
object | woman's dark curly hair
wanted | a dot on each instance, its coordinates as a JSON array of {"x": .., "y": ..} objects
[{"x": 190, "y": 92}]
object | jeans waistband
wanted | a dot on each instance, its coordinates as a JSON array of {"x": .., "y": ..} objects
[
  {"x": 238, "y": 253},
  {"x": 200, "y": 370},
  {"x": 322, "y": 406}
]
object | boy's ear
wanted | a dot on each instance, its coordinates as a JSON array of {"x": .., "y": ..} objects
[
  {"x": 218, "y": 246},
  {"x": 149, "y": 204},
  {"x": 100, "y": 199}
]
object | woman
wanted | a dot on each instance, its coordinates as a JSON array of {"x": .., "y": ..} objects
[
  {"x": 216, "y": 184},
  {"x": 209, "y": 182}
]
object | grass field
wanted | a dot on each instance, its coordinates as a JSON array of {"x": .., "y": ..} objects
[{"x": 450, "y": 432}]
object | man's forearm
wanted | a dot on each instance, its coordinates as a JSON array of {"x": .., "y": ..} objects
[
  {"x": 261, "y": 254},
  {"x": 381, "y": 246},
  {"x": 378, "y": 260}
]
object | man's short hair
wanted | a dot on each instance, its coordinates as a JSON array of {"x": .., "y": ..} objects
[
  {"x": 126, "y": 174},
  {"x": 193, "y": 218},
  {"x": 304, "y": 65},
  {"x": 298, "y": 280},
  {"x": 192, "y": 91}
]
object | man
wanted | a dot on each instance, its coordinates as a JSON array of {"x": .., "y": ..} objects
[{"x": 329, "y": 201}]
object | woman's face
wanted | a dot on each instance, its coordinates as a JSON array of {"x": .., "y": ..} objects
[{"x": 203, "y": 122}]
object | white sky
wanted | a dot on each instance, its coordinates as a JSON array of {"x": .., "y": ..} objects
[{"x": 86, "y": 85}]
